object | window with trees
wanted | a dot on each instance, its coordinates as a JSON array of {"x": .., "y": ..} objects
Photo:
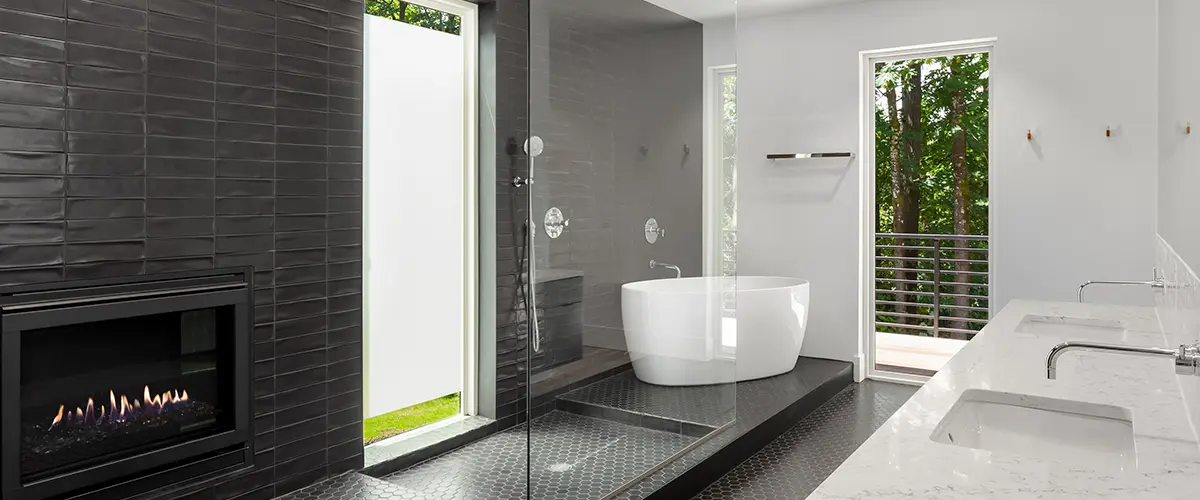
[{"x": 416, "y": 15}]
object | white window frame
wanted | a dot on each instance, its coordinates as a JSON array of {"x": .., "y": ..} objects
[
  {"x": 868, "y": 59},
  {"x": 713, "y": 174}
]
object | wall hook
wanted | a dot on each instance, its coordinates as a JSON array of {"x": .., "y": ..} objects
[
  {"x": 1189, "y": 128},
  {"x": 687, "y": 150},
  {"x": 1108, "y": 132},
  {"x": 1029, "y": 135}
]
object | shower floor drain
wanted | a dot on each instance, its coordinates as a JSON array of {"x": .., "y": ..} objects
[{"x": 559, "y": 467}]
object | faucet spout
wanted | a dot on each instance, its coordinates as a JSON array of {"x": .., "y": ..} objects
[
  {"x": 1187, "y": 358},
  {"x": 656, "y": 264}
]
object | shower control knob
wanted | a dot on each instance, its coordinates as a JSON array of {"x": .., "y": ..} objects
[
  {"x": 519, "y": 181},
  {"x": 555, "y": 222}
]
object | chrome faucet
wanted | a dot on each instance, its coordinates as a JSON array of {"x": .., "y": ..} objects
[
  {"x": 1187, "y": 358},
  {"x": 655, "y": 263},
  {"x": 1157, "y": 282}
]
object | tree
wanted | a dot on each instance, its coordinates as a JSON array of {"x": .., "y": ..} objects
[
  {"x": 931, "y": 151},
  {"x": 415, "y": 15}
]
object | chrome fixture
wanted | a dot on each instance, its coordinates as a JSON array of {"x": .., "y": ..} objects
[
  {"x": 805, "y": 156},
  {"x": 653, "y": 232},
  {"x": 1157, "y": 282},
  {"x": 1187, "y": 358},
  {"x": 521, "y": 182},
  {"x": 656, "y": 264},
  {"x": 555, "y": 222},
  {"x": 533, "y": 147}
]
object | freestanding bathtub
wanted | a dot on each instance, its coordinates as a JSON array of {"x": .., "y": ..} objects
[{"x": 684, "y": 332}]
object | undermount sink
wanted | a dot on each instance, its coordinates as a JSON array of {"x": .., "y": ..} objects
[
  {"x": 1072, "y": 432},
  {"x": 1067, "y": 325}
]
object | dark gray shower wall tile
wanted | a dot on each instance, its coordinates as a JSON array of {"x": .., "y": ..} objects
[
  {"x": 31, "y": 232},
  {"x": 103, "y": 13},
  {"x": 302, "y": 65},
  {"x": 346, "y": 23},
  {"x": 245, "y": 57},
  {"x": 32, "y": 93},
  {"x": 103, "y": 100},
  {"x": 245, "y": 243},
  {"x": 77, "y": 253},
  {"x": 186, "y": 68},
  {"x": 103, "y": 78},
  {"x": 30, "y": 186},
  {"x": 179, "y": 127},
  {"x": 301, "y": 222},
  {"x": 301, "y": 170},
  {"x": 90, "y": 55},
  {"x": 96, "y": 270},
  {"x": 239, "y": 75},
  {"x": 199, "y": 207},
  {"x": 345, "y": 171},
  {"x": 304, "y": 274},
  {"x": 108, "y": 144},
  {"x": 301, "y": 100},
  {"x": 245, "y": 169},
  {"x": 105, "y": 229},
  {"x": 309, "y": 239},
  {"x": 244, "y": 20},
  {"x": 109, "y": 36},
  {"x": 347, "y": 56},
  {"x": 179, "y": 226},
  {"x": 35, "y": 6},
  {"x": 180, "y": 188},
  {"x": 266, "y": 7},
  {"x": 285, "y": 10},
  {"x": 30, "y": 255},
  {"x": 245, "y": 187},
  {"x": 179, "y": 247},
  {"x": 181, "y": 47},
  {"x": 174, "y": 106},
  {"x": 303, "y": 31},
  {"x": 345, "y": 253},
  {"x": 295, "y": 187},
  {"x": 298, "y": 310},
  {"x": 31, "y": 70},
  {"x": 31, "y": 140},
  {"x": 31, "y": 209},
  {"x": 32, "y": 24},
  {"x": 245, "y": 206},
  {"x": 343, "y": 121},
  {"x": 344, "y": 72},
  {"x": 245, "y": 113},
  {"x": 12, "y": 44},
  {"x": 256, "y": 96},
  {"x": 246, "y": 150},
  {"x": 105, "y": 208},
  {"x": 290, "y": 258},
  {"x": 175, "y": 265},
  {"x": 345, "y": 39},
  {"x": 180, "y": 167},
  {"x": 246, "y": 225},
  {"x": 200, "y": 11},
  {"x": 346, "y": 237},
  {"x": 301, "y": 205},
  {"x": 234, "y": 37},
  {"x": 179, "y": 87},
  {"x": 96, "y": 121},
  {"x": 180, "y": 27},
  {"x": 179, "y": 146}
]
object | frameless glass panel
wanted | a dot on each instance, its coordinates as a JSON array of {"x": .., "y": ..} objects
[{"x": 632, "y": 334}]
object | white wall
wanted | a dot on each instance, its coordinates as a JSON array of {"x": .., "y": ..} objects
[
  {"x": 1072, "y": 206},
  {"x": 1179, "y": 177},
  {"x": 415, "y": 278}
]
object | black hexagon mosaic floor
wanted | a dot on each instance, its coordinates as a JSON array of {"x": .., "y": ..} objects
[
  {"x": 710, "y": 405},
  {"x": 794, "y": 464},
  {"x": 572, "y": 457}
]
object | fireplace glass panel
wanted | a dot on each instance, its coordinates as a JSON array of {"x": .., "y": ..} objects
[{"x": 95, "y": 392}]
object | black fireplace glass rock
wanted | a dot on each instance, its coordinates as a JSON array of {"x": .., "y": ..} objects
[{"x": 99, "y": 391}]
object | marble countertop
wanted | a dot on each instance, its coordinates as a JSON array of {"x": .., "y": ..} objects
[{"x": 901, "y": 461}]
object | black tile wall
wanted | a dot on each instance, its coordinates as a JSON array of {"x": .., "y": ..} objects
[{"x": 147, "y": 136}]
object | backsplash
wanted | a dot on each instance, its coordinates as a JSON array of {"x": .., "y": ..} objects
[{"x": 1179, "y": 313}]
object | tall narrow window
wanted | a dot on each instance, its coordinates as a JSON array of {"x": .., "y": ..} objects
[{"x": 721, "y": 175}]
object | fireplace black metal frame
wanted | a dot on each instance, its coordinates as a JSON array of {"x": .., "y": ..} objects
[{"x": 26, "y": 307}]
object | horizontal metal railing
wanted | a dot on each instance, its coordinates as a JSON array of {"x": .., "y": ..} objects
[{"x": 932, "y": 285}]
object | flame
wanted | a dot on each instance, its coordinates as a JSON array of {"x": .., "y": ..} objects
[{"x": 120, "y": 408}]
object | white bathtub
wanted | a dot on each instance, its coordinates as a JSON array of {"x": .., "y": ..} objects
[{"x": 676, "y": 334}]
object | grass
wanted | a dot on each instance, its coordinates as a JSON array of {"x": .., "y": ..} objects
[{"x": 384, "y": 426}]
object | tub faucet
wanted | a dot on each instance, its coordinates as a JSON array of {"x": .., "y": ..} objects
[
  {"x": 655, "y": 263},
  {"x": 1187, "y": 358},
  {"x": 1157, "y": 282}
]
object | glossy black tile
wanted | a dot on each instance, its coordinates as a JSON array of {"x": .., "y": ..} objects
[
  {"x": 27, "y": 162},
  {"x": 180, "y": 27},
  {"x": 103, "y": 100},
  {"x": 103, "y": 13},
  {"x": 175, "y": 106},
  {"x": 200, "y": 11},
  {"x": 26, "y": 23},
  {"x": 109, "y": 36},
  {"x": 181, "y": 47},
  {"x": 32, "y": 232},
  {"x": 244, "y": 38},
  {"x": 105, "y": 229},
  {"x": 12, "y": 44},
  {"x": 245, "y": 20},
  {"x": 31, "y": 70},
  {"x": 103, "y": 78},
  {"x": 285, "y": 10},
  {"x": 32, "y": 93}
]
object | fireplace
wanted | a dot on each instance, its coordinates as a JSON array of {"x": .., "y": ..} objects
[{"x": 116, "y": 387}]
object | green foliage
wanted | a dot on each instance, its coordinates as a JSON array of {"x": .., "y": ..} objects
[
  {"x": 387, "y": 425},
  {"x": 941, "y": 78},
  {"x": 415, "y": 15}
]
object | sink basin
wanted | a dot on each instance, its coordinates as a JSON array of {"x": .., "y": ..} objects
[
  {"x": 1073, "y": 432},
  {"x": 1067, "y": 325}
]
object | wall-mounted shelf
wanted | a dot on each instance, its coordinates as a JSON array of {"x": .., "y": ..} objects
[{"x": 804, "y": 156}]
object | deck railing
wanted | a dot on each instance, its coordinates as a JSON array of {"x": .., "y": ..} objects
[{"x": 932, "y": 285}]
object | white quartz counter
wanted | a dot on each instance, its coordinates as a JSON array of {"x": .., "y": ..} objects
[{"x": 901, "y": 461}]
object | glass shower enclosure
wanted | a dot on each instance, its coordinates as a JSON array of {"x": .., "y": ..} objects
[{"x": 630, "y": 364}]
